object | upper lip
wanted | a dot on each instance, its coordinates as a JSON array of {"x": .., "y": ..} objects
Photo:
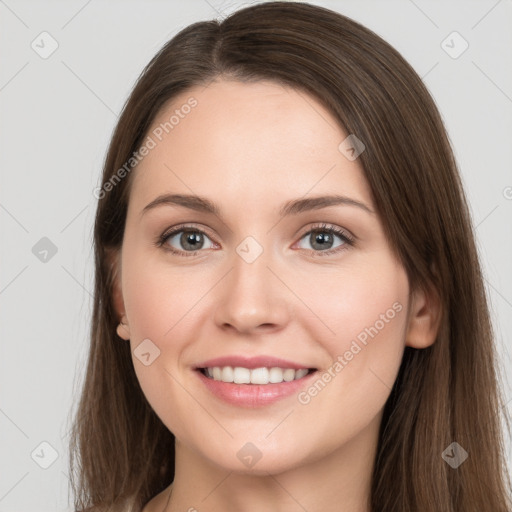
[{"x": 252, "y": 362}]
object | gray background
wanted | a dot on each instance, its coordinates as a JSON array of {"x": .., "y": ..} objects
[{"x": 57, "y": 115}]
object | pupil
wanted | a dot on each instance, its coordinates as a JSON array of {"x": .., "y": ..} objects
[
  {"x": 192, "y": 240},
  {"x": 322, "y": 239}
]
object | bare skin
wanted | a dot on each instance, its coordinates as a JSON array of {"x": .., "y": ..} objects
[{"x": 249, "y": 148}]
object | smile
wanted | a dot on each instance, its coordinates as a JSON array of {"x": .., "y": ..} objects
[
  {"x": 253, "y": 388},
  {"x": 261, "y": 376}
]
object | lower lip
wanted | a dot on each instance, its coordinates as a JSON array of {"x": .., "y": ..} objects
[{"x": 253, "y": 395}]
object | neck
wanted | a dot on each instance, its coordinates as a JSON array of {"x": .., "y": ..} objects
[{"x": 338, "y": 481}]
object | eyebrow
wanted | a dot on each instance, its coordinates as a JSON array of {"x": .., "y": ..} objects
[{"x": 293, "y": 207}]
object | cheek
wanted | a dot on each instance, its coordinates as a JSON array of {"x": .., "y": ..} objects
[
  {"x": 360, "y": 320},
  {"x": 158, "y": 298},
  {"x": 344, "y": 302},
  {"x": 163, "y": 305},
  {"x": 367, "y": 313}
]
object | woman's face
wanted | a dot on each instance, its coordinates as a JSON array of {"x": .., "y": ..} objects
[{"x": 255, "y": 280}]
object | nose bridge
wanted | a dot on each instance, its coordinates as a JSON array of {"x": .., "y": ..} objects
[
  {"x": 250, "y": 272},
  {"x": 252, "y": 296}
]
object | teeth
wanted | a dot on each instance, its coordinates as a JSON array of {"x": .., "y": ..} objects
[
  {"x": 275, "y": 375},
  {"x": 227, "y": 374},
  {"x": 240, "y": 375},
  {"x": 301, "y": 373},
  {"x": 259, "y": 376},
  {"x": 289, "y": 375}
]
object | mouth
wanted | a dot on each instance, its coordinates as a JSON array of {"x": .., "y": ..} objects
[
  {"x": 254, "y": 381},
  {"x": 254, "y": 376},
  {"x": 255, "y": 387}
]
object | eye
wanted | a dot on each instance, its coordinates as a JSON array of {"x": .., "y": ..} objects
[
  {"x": 190, "y": 240},
  {"x": 318, "y": 239}
]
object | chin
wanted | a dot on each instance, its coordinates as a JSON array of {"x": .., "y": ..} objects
[{"x": 248, "y": 460}]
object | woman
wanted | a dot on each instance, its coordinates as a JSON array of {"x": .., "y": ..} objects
[{"x": 289, "y": 309}]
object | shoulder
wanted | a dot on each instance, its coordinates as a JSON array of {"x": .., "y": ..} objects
[
  {"x": 155, "y": 504},
  {"x": 126, "y": 506},
  {"x": 158, "y": 502}
]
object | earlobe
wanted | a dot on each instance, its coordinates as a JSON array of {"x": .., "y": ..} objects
[
  {"x": 122, "y": 329},
  {"x": 424, "y": 318}
]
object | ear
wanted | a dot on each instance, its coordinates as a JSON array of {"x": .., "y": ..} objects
[
  {"x": 424, "y": 318},
  {"x": 114, "y": 260}
]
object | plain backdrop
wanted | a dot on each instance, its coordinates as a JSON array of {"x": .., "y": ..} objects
[{"x": 57, "y": 115}]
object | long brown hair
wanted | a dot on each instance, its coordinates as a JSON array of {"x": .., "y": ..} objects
[{"x": 121, "y": 452}]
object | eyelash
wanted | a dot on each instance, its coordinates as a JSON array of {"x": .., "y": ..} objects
[{"x": 347, "y": 239}]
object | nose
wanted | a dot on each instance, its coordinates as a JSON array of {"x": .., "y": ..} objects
[{"x": 253, "y": 297}]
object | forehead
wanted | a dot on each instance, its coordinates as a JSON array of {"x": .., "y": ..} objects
[{"x": 250, "y": 143}]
